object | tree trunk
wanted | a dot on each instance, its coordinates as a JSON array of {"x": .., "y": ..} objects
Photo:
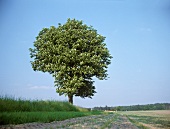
[{"x": 70, "y": 99}]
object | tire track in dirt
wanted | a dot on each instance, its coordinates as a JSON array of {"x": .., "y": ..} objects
[{"x": 107, "y": 121}]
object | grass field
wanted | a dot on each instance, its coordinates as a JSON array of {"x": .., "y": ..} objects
[
  {"x": 9, "y": 104},
  {"x": 18, "y": 111},
  {"x": 149, "y": 119}
]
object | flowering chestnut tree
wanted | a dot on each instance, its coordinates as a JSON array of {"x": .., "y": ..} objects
[{"x": 73, "y": 53}]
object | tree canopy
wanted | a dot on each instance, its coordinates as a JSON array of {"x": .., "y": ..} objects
[
  {"x": 72, "y": 53},
  {"x": 156, "y": 106}
]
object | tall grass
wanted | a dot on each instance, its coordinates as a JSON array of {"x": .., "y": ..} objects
[
  {"x": 18, "y": 111},
  {"x": 28, "y": 117},
  {"x": 9, "y": 104}
]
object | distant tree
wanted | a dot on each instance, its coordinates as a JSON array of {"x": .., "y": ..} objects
[
  {"x": 119, "y": 108},
  {"x": 72, "y": 53}
]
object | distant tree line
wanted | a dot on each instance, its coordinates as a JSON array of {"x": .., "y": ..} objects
[{"x": 156, "y": 106}]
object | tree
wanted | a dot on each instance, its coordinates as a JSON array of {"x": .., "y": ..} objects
[{"x": 72, "y": 53}]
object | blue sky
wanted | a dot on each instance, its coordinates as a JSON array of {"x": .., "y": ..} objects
[{"x": 137, "y": 35}]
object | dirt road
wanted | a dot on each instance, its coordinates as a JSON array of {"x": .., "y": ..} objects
[{"x": 108, "y": 121}]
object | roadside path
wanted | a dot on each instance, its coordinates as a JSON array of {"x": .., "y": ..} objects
[{"x": 109, "y": 121}]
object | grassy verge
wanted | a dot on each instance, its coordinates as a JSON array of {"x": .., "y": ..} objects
[
  {"x": 28, "y": 117},
  {"x": 9, "y": 104},
  {"x": 18, "y": 111}
]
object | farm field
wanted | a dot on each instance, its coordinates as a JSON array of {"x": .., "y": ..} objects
[
  {"x": 108, "y": 120},
  {"x": 112, "y": 120},
  {"x": 19, "y": 114},
  {"x": 151, "y": 119}
]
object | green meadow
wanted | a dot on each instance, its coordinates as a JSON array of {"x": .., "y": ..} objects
[{"x": 18, "y": 111}]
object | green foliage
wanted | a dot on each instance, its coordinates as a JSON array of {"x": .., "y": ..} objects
[
  {"x": 20, "y": 105},
  {"x": 157, "y": 106},
  {"x": 73, "y": 53}
]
